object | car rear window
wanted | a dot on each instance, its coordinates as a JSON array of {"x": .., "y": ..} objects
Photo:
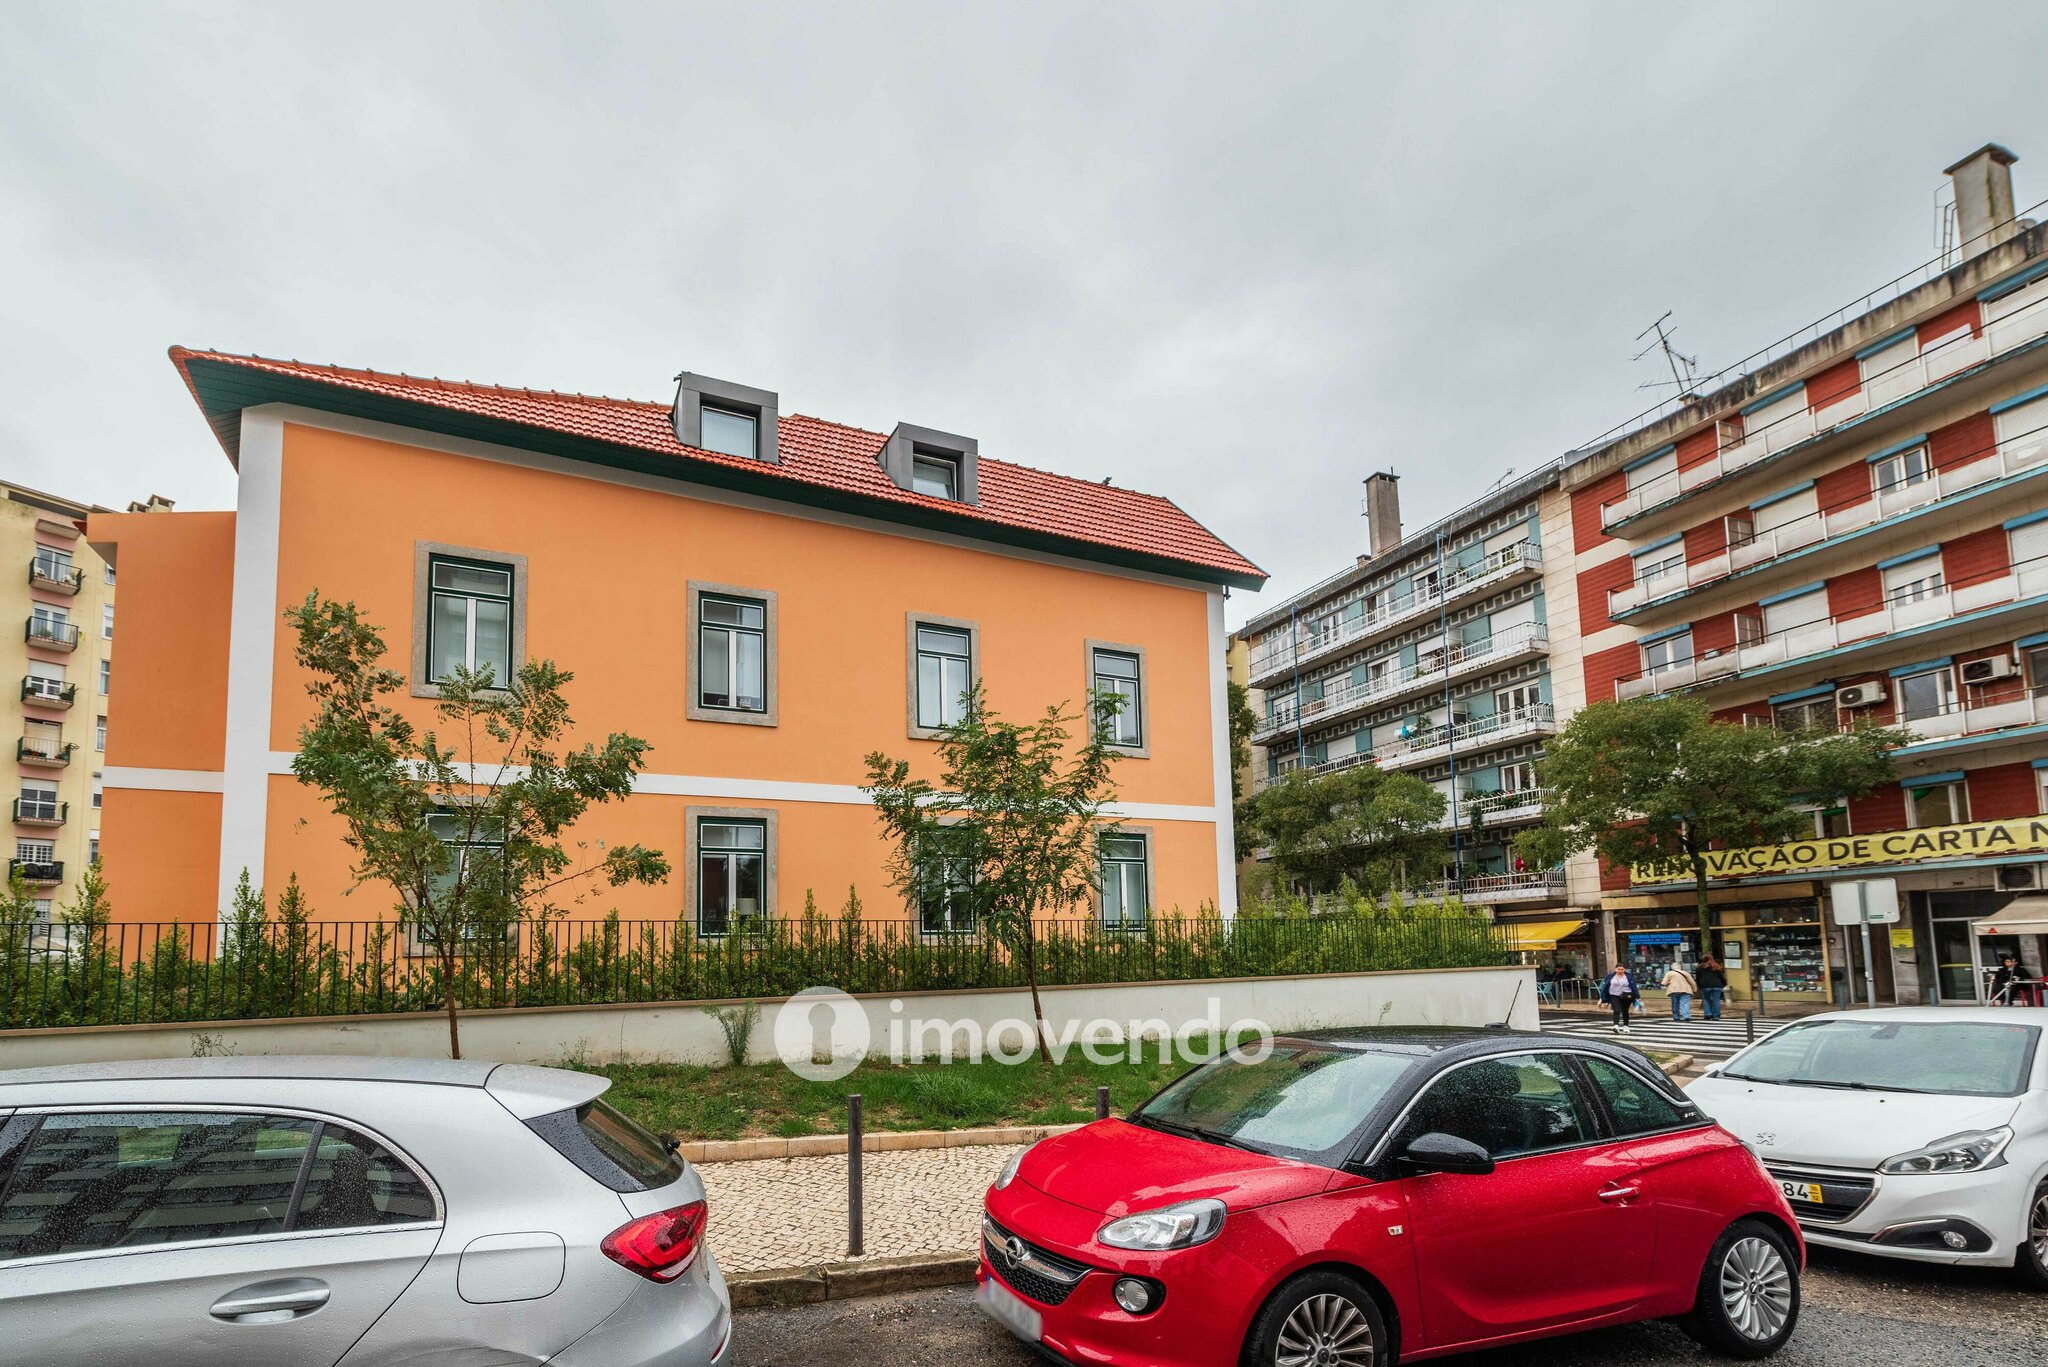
[{"x": 610, "y": 1147}]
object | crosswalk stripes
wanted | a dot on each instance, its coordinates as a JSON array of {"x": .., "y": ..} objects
[{"x": 1704, "y": 1038}]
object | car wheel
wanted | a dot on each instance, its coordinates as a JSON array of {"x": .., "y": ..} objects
[
  {"x": 2032, "y": 1261},
  {"x": 1320, "y": 1319},
  {"x": 1748, "y": 1300}
]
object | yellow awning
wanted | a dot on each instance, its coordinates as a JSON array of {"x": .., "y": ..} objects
[{"x": 1534, "y": 935}]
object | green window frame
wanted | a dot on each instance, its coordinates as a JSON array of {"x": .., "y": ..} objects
[
  {"x": 470, "y": 611},
  {"x": 1126, "y": 881}
]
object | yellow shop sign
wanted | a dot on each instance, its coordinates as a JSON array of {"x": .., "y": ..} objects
[{"x": 1971, "y": 840}]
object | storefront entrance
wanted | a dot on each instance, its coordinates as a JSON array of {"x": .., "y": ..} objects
[{"x": 1773, "y": 949}]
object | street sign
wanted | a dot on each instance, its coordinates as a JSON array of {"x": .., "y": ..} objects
[{"x": 1865, "y": 901}]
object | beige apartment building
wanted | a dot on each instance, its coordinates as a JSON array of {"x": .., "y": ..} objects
[{"x": 61, "y": 662}]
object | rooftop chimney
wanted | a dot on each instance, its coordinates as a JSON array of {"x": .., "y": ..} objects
[
  {"x": 1984, "y": 208},
  {"x": 1382, "y": 512}
]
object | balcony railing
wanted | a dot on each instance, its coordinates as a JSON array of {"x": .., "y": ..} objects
[
  {"x": 1292, "y": 763},
  {"x": 1962, "y": 719},
  {"x": 2025, "y": 581},
  {"x": 1501, "y": 887},
  {"x": 2014, "y": 329},
  {"x": 37, "y": 870},
  {"x": 1439, "y": 668},
  {"x": 1276, "y": 653},
  {"x": 51, "y": 635},
  {"x": 2018, "y": 456},
  {"x": 46, "y": 754},
  {"x": 1414, "y": 751},
  {"x": 44, "y": 573},
  {"x": 29, "y": 811},
  {"x": 40, "y": 692},
  {"x": 1498, "y": 809}
]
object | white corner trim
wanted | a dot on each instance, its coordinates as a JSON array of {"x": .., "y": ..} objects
[
  {"x": 1219, "y": 712},
  {"x": 161, "y": 780},
  {"x": 252, "y": 641}
]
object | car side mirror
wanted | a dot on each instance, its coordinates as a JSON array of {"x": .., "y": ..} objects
[{"x": 1436, "y": 1152}]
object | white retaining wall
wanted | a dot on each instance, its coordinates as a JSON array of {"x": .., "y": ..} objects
[{"x": 687, "y": 1032}]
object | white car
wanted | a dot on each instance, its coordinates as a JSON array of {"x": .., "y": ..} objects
[{"x": 1919, "y": 1133}]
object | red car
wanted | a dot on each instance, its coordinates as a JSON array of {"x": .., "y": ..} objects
[{"x": 1350, "y": 1200}]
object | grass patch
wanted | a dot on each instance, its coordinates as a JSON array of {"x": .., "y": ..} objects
[{"x": 761, "y": 1100}]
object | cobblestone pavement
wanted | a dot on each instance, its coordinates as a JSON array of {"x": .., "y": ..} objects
[
  {"x": 1858, "y": 1311},
  {"x": 791, "y": 1212}
]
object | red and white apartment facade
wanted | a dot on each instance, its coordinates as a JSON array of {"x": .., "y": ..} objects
[{"x": 1857, "y": 529}]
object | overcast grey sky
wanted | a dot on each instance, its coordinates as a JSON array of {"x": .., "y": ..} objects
[{"x": 1240, "y": 256}]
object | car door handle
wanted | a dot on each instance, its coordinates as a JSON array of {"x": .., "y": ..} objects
[
  {"x": 1616, "y": 1194},
  {"x": 269, "y": 1302}
]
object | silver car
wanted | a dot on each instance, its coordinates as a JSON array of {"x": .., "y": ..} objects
[{"x": 305, "y": 1212}]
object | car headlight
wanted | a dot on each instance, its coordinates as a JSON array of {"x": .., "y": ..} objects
[
  {"x": 1009, "y": 1172},
  {"x": 1154, "y": 1231},
  {"x": 1969, "y": 1152}
]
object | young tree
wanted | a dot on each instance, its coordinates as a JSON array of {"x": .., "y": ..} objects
[
  {"x": 467, "y": 832},
  {"x": 1243, "y": 721},
  {"x": 1011, "y": 831},
  {"x": 1378, "y": 829},
  {"x": 1659, "y": 781}
]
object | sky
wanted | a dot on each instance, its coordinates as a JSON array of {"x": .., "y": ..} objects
[{"x": 1239, "y": 255}]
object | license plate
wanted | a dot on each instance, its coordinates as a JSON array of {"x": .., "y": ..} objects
[
  {"x": 1808, "y": 1192},
  {"x": 1004, "y": 1307}
]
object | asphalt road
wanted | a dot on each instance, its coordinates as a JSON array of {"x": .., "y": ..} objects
[{"x": 1858, "y": 1311}]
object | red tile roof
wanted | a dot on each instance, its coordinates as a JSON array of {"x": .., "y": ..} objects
[{"x": 823, "y": 455}]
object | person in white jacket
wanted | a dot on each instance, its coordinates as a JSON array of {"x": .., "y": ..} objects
[{"x": 1679, "y": 984}]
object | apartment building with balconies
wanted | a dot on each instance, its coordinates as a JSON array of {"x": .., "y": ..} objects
[
  {"x": 1436, "y": 654},
  {"x": 1855, "y": 530},
  {"x": 60, "y": 678},
  {"x": 764, "y": 598}
]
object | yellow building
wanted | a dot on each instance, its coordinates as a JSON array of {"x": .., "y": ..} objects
[{"x": 60, "y": 666}]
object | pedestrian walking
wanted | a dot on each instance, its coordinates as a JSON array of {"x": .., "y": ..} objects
[
  {"x": 1618, "y": 990},
  {"x": 1713, "y": 981},
  {"x": 1680, "y": 986}
]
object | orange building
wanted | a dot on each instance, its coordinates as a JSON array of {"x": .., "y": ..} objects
[{"x": 764, "y": 598}]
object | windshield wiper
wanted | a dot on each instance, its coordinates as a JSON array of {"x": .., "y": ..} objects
[{"x": 1195, "y": 1133}]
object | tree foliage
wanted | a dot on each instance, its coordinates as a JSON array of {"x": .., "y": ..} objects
[
  {"x": 1658, "y": 781},
  {"x": 1011, "y": 830},
  {"x": 464, "y": 821},
  {"x": 1378, "y": 829}
]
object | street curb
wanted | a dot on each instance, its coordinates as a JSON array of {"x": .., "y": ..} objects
[
  {"x": 884, "y": 1141},
  {"x": 848, "y": 1281},
  {"x": 1676, "y": 1065}
]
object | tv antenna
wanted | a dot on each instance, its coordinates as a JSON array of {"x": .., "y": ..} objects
[{"x": 1684, "y": 368}]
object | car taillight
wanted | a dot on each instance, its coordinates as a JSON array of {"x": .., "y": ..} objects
[{"x": 659, "y": 1247}]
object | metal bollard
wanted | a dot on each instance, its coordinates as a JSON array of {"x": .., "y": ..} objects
[
  {"x": 853, "y": 1194},
  {"x": 1749, "y": 1027},
  {"x": 1102, "y": 1103}
]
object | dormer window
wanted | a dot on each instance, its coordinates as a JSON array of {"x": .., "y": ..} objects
[
  {"x": 936, "y": 464},
  {"x": 727, "y": 432},
  {"x": 731, "y": 419},
  {"x": 935, "y": 474}
]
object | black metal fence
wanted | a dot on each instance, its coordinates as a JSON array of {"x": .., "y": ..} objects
[{"x": 142, "y": 973}]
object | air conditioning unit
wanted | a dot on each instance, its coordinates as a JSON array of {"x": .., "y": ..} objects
[
  {"x": 1860, "y": 695},
  {"x": 2022, "y": 877},
  {"x": 1988, "y": 671}
]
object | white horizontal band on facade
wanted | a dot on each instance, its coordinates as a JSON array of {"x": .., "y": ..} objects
[
  {"x": 163, "y": 780},
  {"x": 659, "y": 785}
]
